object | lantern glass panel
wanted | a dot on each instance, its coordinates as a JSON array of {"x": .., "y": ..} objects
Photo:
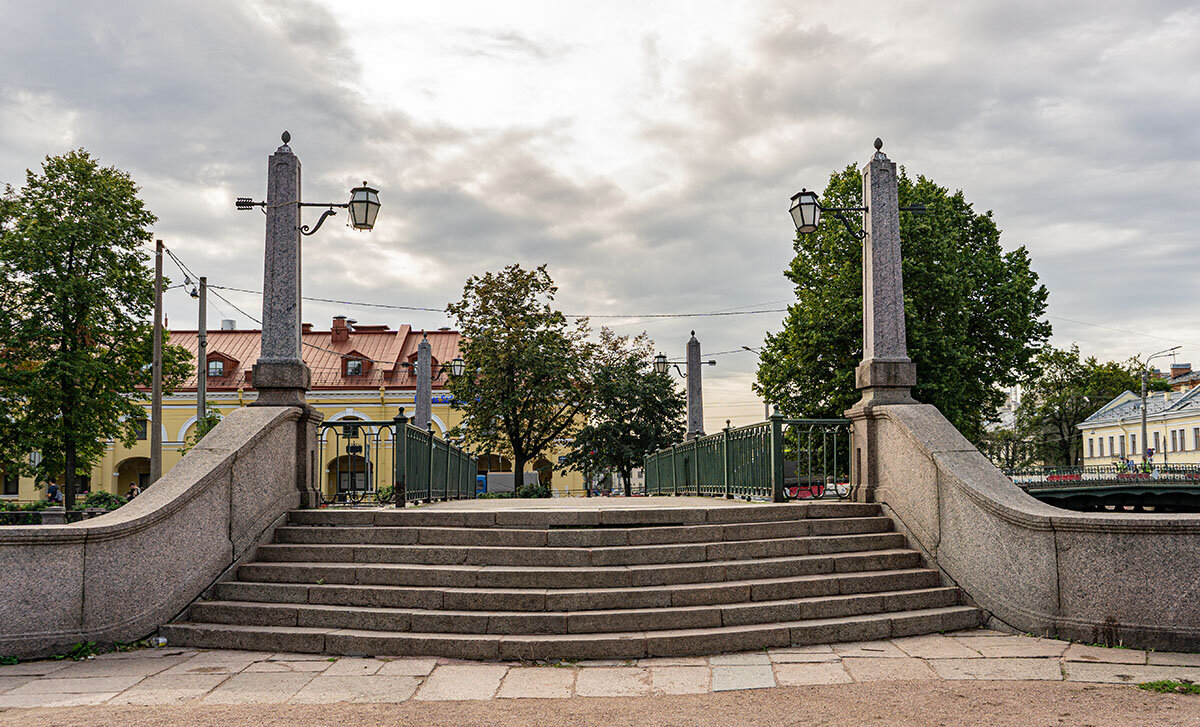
[
  {"x": 457, "y": 366},
  {"x": 806, "y": 212},
  {"x": 364, "y": 207},
  {"x": 660, "y": 364}
]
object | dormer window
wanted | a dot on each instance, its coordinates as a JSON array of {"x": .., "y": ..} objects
[
  {"x": 216, "y": 368},
  {"x": 354, "y": 367}
]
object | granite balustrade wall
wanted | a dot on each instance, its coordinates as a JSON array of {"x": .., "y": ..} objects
[
  {"x": 120, "y": 576},
  {"x": 1131, "y": 579}
]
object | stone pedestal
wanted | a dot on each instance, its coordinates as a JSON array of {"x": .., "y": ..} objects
[{"x": 886, "y": 374}]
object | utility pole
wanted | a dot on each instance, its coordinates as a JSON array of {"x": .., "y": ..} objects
[
  {"x": 156, "y": 385},
  {"x": 202, "y": 353}
]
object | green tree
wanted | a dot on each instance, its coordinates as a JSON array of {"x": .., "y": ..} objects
[
  {"x": 75, "y": 297},
  {"x": 527, "y": 382},
  {"x": 1065, "y": 389},
  {"x": 204, "y": 425},
  {"x": 636, "y": 410},
  {"x": 972, "y": 310}
]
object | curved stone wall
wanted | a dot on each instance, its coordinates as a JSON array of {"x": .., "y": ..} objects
[
  {"x": 120, "y": 576},
  {"x": 1132, "y": 579}
]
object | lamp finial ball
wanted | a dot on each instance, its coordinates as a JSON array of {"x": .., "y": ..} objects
[
  {"x": 693, "y": 334},
  {"x": 286, "y": 137},
  {"x": 878, "y": 143}
]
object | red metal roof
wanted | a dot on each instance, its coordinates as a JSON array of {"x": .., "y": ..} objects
[{"x": 384, "y": 351}]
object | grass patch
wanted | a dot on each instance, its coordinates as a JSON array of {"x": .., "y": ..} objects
[{"x": 1171, "y": 686}]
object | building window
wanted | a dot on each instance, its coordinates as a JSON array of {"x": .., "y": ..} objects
[
  {"x": 1173, "y": 447},
  {"x": 216, "y": 368},
  {"x": 1101, "y": 441},
  {"x": 1156, "y": 448},
  {"x": 1132, "y": 444},
  {"x": 353, "y": 367},
  {"x": 139, "y": 428},
  {"x": 1195, "y": 437},
  {"x": 12, "y": 484},
  {"x": 1091, "y": 447},
  {"x": 1112, "y": 451},
  {"x": 1121, "y": 441}
]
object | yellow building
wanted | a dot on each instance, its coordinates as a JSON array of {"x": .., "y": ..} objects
[
  {"x": 1172, "y": 428},
  {"x": 359, "y": 372}
]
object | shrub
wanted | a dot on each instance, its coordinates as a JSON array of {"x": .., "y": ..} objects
[{"x": 103, "y": 501}]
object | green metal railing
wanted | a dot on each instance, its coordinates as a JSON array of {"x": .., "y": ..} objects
[
  {"x": 422, "y": 467},
  {"x": 752, "y": 462}
]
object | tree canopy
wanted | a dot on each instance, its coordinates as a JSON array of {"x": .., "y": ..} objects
[
  {"x": 973, "y": 311},
  {"x": 76, "y": 295},
  {"x": 526, "y": 383},
  {"x": 635, "y": 410},
  {"x": 1064, "y": 390}
]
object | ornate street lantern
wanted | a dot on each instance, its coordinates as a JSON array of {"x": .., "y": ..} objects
[
  {"x": 364, "y": 206},
  {"x": 806, "y": 211},
  {"x": 457, "y": 366},
  {"x": 660, "y": 364}
]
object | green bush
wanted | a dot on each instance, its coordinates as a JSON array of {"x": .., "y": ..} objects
[
  {"x": 103, "y": 501},
  {"x": 28, "y": 507},
  {"x": 528, "y": 491},
  {"x": 384, "y": 494}
]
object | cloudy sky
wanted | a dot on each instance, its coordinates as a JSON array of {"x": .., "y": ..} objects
[{"x": 645, "y": 151}]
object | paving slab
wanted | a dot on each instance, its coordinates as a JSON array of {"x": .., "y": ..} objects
[
  {"x": 170, "y": 689},
  {"x": 362, "y": 689},
  {"x": 869, "y": 649},
  {"x": 311, "y": 667},
  {"x": 353, "y": 667},
  {"x": 218, "y": 662},
  {"x": 600, "y": 662},
  {"x": 673, "y": 661},
  {"x": 297, "y": 656},
  {"x": 462, "y": 682},
  {"x": 680, "y": 679},
  {"x": 1102, "y": 655},
  {"x": 155, "y": 653},
  {"x": 800, "y": 675},
  {"x": 537, "y": 682},
  {"x": 33, "y": 668},
  {"x": 935, "y": 646},
  {"x": 1164, "y": 658},
  {"x": 29, "y": 701},
  {"x": 1000, "y": 669},
  {"x": 141, "y": 666},
  {"x": 258, "y": 688},
  {"x": 621, "y": 681},
  {"x": 1128, "y": 673},
  {"x": 743, "y": 659},
  {"x": 1002, "y": 647},
  {"x": 7, "y": 683},
  {"x": 728, "y": 678},
  {"x": 786, "y": 658},
  {"x": 407, "y": 667},
  {"x": 813, "y": 649},
  {"x": 82, "y": 685},
  {"x": 878, "y": 669}
]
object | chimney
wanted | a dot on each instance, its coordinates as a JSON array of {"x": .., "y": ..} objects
[
  {"x": 306, "y": 328},
  {"x": 228, "y": 324},
  {"x": 1179, "y": 369},
  {"x": 341, "y": 333}
]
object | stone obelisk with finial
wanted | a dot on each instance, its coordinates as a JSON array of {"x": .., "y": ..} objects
[
  {"x": 695, "y": 397},
  {"x": 886, "y": 374}
]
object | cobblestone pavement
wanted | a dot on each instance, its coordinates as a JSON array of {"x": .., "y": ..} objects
[{"x": 167, "y": 676}]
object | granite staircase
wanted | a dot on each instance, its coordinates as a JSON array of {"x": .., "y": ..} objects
[{"x": 575, "y": 583}]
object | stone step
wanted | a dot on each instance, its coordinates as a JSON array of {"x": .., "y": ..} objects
[
  {"x": 568, "y": 599},
  {"x": 543, "y": 517},
  {"x": 616, "y": 645},
  {"x": 575, "y": 538},
  {"x": 620, "y": 576},
  {"x": 578, "y": 557},
  {"x": 567, "y": 622}
]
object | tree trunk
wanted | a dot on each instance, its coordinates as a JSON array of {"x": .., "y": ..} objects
[
  {"x": 69, "y": 476},
  {"x": 627, "y": 476},
  {"x": 518, "y": 471}
]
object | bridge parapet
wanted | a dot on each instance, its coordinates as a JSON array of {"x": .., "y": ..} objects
[
  {"x": 120, "y": 576},
  {"x": 1116, "y": 578}
]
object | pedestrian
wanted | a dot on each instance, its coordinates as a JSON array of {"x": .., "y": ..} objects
[
  {"x": 53, "y": 494},
  {"x": 134, "y": 490}
]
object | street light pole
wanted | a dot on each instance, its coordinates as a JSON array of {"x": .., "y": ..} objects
[
  {"x": 156, "y": 371},
  {"x": 1145, "y": 385},
  {"x": 202, "y": 353}
]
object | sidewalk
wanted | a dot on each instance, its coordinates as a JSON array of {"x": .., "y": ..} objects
[{"x": 167, "y": 676}]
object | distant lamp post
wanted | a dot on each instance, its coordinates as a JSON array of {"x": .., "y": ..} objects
[{"x": 1148, "y": 451}]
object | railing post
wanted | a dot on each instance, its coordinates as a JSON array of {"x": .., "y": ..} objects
[
  {"x": 725, "y": 457},
  {"x": 432, "y": 451},
  {"x": 777, "y": 457},
  {"x": 696, "y": 463},
  {"x": 674, "y": 472},
  {"x": 400, "y": 458}
]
